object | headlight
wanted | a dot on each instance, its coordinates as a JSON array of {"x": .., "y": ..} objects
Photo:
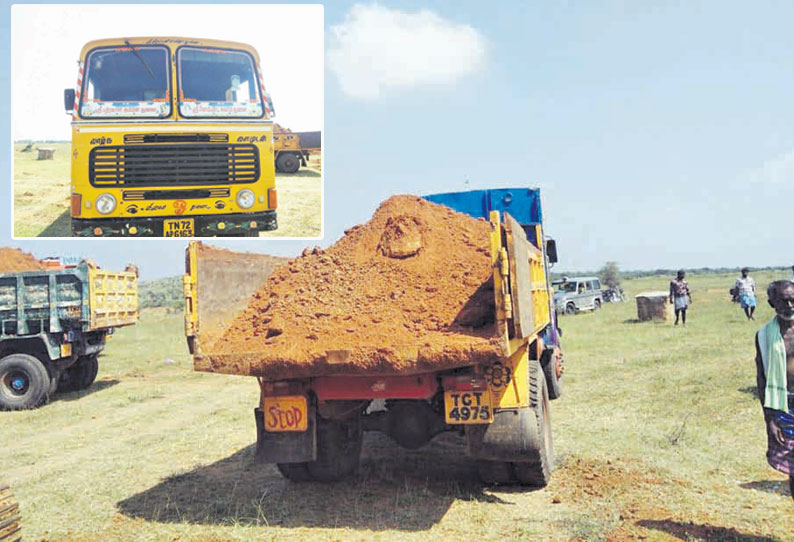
[
  {"x": 246, "y": 198},
  {"x": 105, "y": 204}
]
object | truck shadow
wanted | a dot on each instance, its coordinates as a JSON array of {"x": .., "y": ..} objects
[
  {"x": 696, "y": 531},
  {"x": 60, "y": 227},
  {"x": 395, "y": 489},
  {"x": 97, "y": 386}
]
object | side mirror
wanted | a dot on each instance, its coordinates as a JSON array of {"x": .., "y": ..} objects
[
  {"x": 68, "y": 99},
  {"x": 551, "y": 250}
]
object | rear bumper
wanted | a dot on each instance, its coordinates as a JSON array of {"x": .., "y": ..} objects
[{"x": 205, "y": 225}]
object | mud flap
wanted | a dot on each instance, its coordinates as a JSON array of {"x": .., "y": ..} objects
[
  {"x": 511, "y": 437},
  {"x": 287, "y": 446}
]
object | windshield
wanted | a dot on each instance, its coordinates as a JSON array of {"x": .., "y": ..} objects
[
  {"x": 126, "y": 82},
  {"x": 217, "y": 83}
]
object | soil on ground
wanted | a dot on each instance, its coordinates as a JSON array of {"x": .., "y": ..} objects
[
  {"x": 13, "y": 260},
  {"x": 409, "y": 291}
]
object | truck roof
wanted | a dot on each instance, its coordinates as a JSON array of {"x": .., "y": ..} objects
[
  {"x": 522, "y": 203},
  {"x": 170, "y": 41}
]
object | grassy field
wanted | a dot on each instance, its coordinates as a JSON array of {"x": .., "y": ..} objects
[
  {"x": 658, "y": 436},
  {"x": 41, "y": 196}
]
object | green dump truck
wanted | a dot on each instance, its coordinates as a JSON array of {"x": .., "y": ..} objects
[{"x": 53, "y": 325}]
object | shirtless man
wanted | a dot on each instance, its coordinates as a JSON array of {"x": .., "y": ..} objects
[{"x": 774, "y": 362}]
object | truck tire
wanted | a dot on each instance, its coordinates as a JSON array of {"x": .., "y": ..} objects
[
  {"x": 80, "y": 375},
  {"x": 338, "y": 450},
  {"x": 10, "y": 528},
  {"x": 552, "y": 363},
  {"x": 287, "y": 162},
  {"x": 596, "y": 304},
  {"x": 338, "y": 453},
  {"x": 24, "y": 382},
  {"x": 295, "y": 472},
  {"x": 495, "y": 472},
  {"x": 570, "y": 308},
  {"x": 536, "y": 471}
]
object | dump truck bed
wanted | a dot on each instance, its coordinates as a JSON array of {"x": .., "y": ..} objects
[
  {"x": 470, "y": 292},
  {"x": 84, "y": 298}
]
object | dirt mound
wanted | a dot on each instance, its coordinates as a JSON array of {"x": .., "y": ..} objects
[
  {"x": 13, "y": 260},
  {"x": 279, "y": 129},
  {"x": 409, "y": 291}
]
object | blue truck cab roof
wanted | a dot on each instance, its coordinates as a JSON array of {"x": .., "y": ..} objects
[{"x": 523, "y": 204}]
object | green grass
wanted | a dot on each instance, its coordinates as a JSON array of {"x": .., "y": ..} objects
[
  {"x": 41, "y": 197},
  {"x": 658, "y": 435}
]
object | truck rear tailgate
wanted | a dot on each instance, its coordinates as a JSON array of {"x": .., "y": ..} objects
[{"x": 113, "y": 298}]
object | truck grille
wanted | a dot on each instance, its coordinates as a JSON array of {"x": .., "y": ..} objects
[
  {"x": 157, "y": 165},
  {"x": 201, "y": 137},
  {"x": 195, "y": 193}
]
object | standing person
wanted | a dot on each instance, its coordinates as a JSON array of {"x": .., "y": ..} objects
[
  {"x": 791, "y": 278},
  {"x": 745, "y": 290},
  {"x": 774, "y": 365},
  {"x": 680, "y": 296}
]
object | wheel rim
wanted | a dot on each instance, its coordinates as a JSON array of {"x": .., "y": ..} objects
[{"x": 17, "y": 383}]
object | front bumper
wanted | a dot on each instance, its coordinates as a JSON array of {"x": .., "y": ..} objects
[{"x": 205, "y": 225}]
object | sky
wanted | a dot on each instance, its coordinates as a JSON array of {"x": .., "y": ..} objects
[{"x": 659, "y": 133}]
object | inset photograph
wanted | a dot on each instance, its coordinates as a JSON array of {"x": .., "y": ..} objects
[{"x": 125, "y": 131}]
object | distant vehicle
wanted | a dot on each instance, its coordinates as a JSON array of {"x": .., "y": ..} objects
[
  {"x": 292, "y": 148},
  {"x": 572, "y": 295},
  {"x": 614, "y": 295}
]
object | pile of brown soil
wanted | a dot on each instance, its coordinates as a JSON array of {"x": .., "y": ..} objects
[
  {"x": 13, "y": 260},
  {"x": 279, "y": 129},
  {"x": 409, "y": 291}
]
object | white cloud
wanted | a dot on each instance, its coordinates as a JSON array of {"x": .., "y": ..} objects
[
  {"x": 777, "y": 170},
  {"x": 377, "y": 50}
]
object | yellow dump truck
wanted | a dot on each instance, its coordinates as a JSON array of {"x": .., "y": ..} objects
[
  {"x": 171, "y": 137},
  {"x": 293, "y": 149},
  {"x": 53, "y": 325},
  {"x": 311, "y": 426}
]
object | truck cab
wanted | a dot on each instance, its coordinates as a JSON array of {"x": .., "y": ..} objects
[{"x": 171, "y": 137}]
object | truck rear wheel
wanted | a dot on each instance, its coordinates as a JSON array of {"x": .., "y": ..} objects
[
  {"x": 338, "y": 453},
  {"x": 552, "y": 363},
  {"x": 10, "y": 529},
  {"x": 296, "y": 472},
  {"x": 536, "y": 471},
  {"x": 80, "y": 375},
  {"x": 24, "y": 382},
  {"x": 287, "y": 162}
]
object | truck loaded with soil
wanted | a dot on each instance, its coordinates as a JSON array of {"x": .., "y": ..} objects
[
  {"x": 54, "y": 321},
  {"x": 433, "y": 316}
]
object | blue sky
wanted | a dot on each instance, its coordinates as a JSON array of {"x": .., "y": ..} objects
[{"x": 660, "y": 133}]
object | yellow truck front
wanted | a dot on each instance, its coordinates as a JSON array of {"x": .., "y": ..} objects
[{"x": 171, "y": 137}]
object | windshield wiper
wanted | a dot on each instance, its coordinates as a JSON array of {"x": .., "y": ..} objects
[{"x": 139, "y": 57}]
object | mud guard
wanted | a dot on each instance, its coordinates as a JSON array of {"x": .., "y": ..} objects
[
  {"x": 288, "y": 446},
  {"x": 511, "y": 437}
]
